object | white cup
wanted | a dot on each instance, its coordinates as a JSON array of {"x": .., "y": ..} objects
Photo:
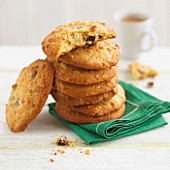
[{"x": 134, "y": 33}]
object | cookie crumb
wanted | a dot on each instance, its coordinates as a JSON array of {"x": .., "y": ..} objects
[
  {"x": 51, "y": 160},
  {"x": 53, "y": 152},
  {"x": 72, "y": 143},
  {"x": 63, "y": 141},
  {"x": 61, "y": 151},
  {"x": 80, "y": 150},
  {"x": 88, "y": 152},
  {"x": 150, "y": 84},
  {"x": 139, "y": 71}
]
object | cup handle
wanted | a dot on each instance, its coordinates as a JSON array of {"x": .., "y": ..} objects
[{"x": 152, "y": 39}]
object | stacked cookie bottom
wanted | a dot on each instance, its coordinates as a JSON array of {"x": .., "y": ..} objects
[{"x": 87, "y": 95}]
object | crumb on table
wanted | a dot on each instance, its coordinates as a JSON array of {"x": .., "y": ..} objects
[
  {"x": 150, "y": 84},
  {"x": 88, "y": 152},
  {"x": 139, "y": 71},
  {"x": 51, "y": 160},
  {"x": 61, "y": 151},
  {"x": 72, "y": 143},
  {"x": 63, "y": 141}
]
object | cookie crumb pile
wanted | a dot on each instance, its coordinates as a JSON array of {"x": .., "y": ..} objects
[{"x": 85, "y": 83}]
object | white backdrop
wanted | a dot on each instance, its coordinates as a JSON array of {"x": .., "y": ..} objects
[{"x": 26, "y": 22}]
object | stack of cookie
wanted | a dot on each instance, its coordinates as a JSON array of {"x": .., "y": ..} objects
[{"x": 85, "y": 84}]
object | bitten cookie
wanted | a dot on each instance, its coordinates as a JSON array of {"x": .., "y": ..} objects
[
  {"x": 76, "y": 101},
  {"x": 77, "y": 117},
  {"x": 66, "y": 38},
  {"x": 103, "y": 108},
  {"x": 76, "y": 90},
  {"x": 29, "y": 94},
  {"x": 101, "y": 55},
  {"x": 77, "y": 75}
]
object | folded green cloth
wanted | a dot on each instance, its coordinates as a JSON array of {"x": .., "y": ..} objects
[{"x": 143, "y": 112}]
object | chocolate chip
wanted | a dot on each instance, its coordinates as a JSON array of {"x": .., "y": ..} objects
[
  {"x": 100, "y": 36},
  {"x": 62, "y": 141},
  {"x": 34, "y": 72},
  {"x": 51, "y": 160},
  {"x": 90, "y": 39}
]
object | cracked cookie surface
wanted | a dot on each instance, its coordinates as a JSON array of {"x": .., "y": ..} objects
[{"x": 66, "y": 38}]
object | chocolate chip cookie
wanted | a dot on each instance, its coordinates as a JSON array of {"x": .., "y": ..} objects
[
  {"x": 77, "y": 75},
  {"x": 102, "y": 55},
  {"x": 66, "y": 38},
  {"x": 76, "y": 117},
  {"x": 103, "y": 108},
  {"x": 29, "y": 94},
  {"x": 78, "y": 101},
  {"x": 76, "y": 90}
]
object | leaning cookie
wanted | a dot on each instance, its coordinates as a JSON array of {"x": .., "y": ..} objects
[
  {"x": 103, "y": 108},
  {"x": 76, "y": 117},
  {"x": 66, "y": 38},
  {"x": 78, "y": 101},
  {"x": 29, "y": 94},
  {"x": 78, "y": 75},
  {"x": 76, "y": 90},
  {"x": 101, "y": 55}
]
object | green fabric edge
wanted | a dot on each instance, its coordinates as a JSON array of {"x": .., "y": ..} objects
[{"x": 92, "y": 138}]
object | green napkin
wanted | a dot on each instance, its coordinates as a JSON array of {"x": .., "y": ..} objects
[{"x": 143, "y": 112}]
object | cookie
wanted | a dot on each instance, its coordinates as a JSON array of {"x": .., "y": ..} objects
[
  {"x": 76, "y": 117},
  {"x": 77, "y": 75},
  {"x": 103, "y": 108},
  {"x": 76, "y": 90},
  {"x": 139, "y": 71},
  {"x": 29, "y": 94},
  {"x": 102, "y": 55},
  {"x": 66, "y": 38},
  {"x": 76, "y": 101}
]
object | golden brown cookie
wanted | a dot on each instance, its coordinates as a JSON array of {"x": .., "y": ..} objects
[
  {"x": 103, "y": 108},
  {"x": 77, "y": 117},
  {"x": 66, "y": 38},
  {"x": 77, "y": 75},
  {"x": 77, "y": 90},
  {"x": 76, "y": 101},
  {"x": 29, "y": 94},
  {"x": 139, "y": 71},
  {"x": 101, "y": 55}
]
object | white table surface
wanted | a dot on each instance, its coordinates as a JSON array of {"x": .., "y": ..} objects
[{"x": 31, "y": 149}]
